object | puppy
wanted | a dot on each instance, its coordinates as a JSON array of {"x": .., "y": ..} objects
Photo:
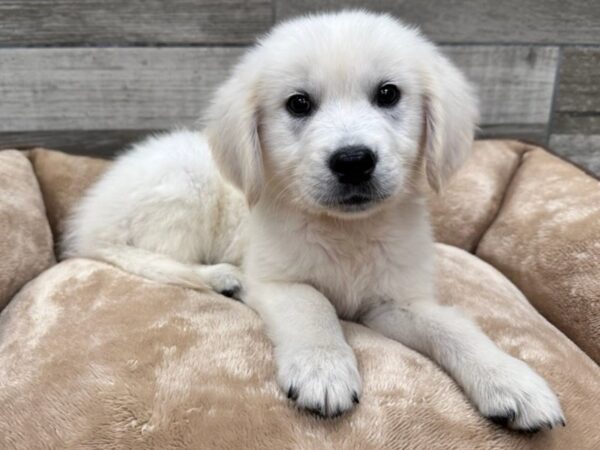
[{"x": 311, "y": 176}]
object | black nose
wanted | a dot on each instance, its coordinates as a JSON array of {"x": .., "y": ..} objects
[{"x": 353, "y": 165}]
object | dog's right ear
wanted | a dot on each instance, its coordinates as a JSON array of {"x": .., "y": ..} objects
[{"x": 232, "y": 131}]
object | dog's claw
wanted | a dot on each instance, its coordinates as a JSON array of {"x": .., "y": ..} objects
[
  {"x": 231, "y": 293},
  {"x": 499, "y": 420},
  {"x": 317, "y": 411},
  {"x": 503, "y": 419},
  {"x": 337, "y": 413},
  {"x": 292, "y": 393}
]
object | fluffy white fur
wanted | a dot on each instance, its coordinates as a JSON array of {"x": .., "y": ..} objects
[
  {"x": 160, "y": 210},
  {"x": 165, "y": 212}
]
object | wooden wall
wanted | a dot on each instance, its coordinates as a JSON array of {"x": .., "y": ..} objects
[{"x": 89, "y": 76}]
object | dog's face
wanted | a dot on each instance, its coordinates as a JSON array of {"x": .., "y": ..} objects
[
  {"x": 337, "y": 113},
  {"x": 339, "y": 116}
]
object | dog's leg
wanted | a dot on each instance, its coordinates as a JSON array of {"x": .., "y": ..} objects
[
  {"x": 222, "y": 278},
  {"x": 316, "y": 367},
  {"x": 505, "y": 389}
]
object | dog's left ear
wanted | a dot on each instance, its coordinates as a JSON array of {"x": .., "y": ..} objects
[
  {"x": 232, "y": 130},
  {"x": 450, "y": 117}
]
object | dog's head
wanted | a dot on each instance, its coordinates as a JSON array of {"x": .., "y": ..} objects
[{"x": 336, "y": 113}]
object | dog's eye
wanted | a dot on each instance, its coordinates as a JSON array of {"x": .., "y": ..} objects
[
  {"x": 387, "y": 96},
  {"x": 299, "y": 105}
]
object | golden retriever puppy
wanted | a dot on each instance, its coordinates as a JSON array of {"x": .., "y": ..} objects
[{"x": 305, "y": 197}]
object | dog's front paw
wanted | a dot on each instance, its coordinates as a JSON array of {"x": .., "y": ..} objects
[
  {"x": 226, "y": 280},
  {"x": 321, "y": 379},
  {"x": 515, "y": 396}
]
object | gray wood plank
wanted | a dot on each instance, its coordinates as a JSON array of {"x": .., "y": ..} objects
[
  {"x": 118, "y": 22},
  {"x": 536, "y": 134},
  {"x": 514, "y": 83},
  {"x": 577, "y": 107},
  {"x": 104, "y": 143},
  {"x": 479, "y": 21},
  {"x": 581, "y": 149},
  {"x": 149, "y": 88},
  {"x": 97, "y": 89}
]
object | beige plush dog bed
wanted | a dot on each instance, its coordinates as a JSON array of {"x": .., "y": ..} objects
[{"x": 92, "y": 357}]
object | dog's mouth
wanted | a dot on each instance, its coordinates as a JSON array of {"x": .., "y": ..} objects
[
  {"x": 348, "y": 200},
  {"x": 353, "y": 202}
]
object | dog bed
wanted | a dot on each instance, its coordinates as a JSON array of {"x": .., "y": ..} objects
[{"x": 93, "y": 357}]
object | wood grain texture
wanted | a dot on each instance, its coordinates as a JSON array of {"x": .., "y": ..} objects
[
  {"x": 119, "y": 22},
  {"x": 583, "y": 150},
  {"x": 97, "y": 89},
  {"x": 536, "y": 134},
  {"x": 479, "y": 21},
  {"x": 514, "y": 83},
  {"x": 104, "y": 143},
  {"x": 577, "y": 107},
  {"x": 150, "y": 88}
]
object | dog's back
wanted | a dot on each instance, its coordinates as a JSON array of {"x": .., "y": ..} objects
[{"x": 161, "y": 206}]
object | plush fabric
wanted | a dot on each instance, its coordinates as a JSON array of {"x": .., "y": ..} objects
[
  {"x": 546, "y": 239},
  {"x": 63, "y": 179},
  {"x": 467, "y": 206},
  {"x": 91, "y": 357},
  {"x": 25, "y": 238}
]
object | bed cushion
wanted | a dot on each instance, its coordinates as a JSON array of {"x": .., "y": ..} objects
[
  {"x": 25, "y": 238},
  {"x": 91, "y": 356},
  {"x": 469, "y": 203},
  {"x": 63, "y": 179},
  {"x": 546, "y": 239}
]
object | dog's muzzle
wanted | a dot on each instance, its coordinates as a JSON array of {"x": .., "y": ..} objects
[{"x": 353, "y": 168}]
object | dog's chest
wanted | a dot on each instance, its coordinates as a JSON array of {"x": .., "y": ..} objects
[
  {"x": 353, "y": 265},
  {"x": 351, "y": 269}
]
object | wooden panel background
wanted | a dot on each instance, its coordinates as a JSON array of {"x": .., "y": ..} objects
[
  {"x": 130, "y": 22},
  {"x": 480, "y": 21},
  {"x": 108, "y": 88},
  {"x": 90, "y": 76}
]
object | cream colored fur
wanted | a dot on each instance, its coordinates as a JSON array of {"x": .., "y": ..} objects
[{"x": 165, "y": 212}]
